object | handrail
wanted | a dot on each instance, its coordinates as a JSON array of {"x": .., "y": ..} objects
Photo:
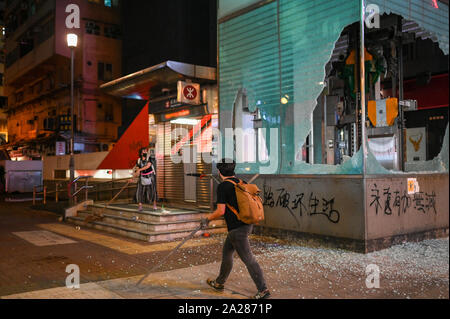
[
  {"x": 80, "y": 177},
  {"x": 95, "y": 188},
  {"x": 81, "y": 188},
  {"x": 74, "y": 182}
]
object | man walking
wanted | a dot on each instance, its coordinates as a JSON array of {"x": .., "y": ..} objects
[{"x": 238, "y": 231}]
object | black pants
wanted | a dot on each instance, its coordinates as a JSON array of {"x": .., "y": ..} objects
[{"x": 237, "y": 239}]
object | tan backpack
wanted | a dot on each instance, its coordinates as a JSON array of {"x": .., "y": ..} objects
[{"x": 250, "y": 205}]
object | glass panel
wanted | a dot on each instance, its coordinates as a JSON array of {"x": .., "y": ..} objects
[
  {"x": 416, "y": 77},
  {"x": 226, "y": 7},
  {"x": 272, "y": 73}
]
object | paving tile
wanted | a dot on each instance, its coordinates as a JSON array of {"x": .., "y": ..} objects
[
  {"x": 43, "y": 238},
  {"x": 86, "y": 291},
  {"x": 122, "y": 245}
]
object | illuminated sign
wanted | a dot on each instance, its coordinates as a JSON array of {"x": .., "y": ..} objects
[
  {"x": 176, "y": 114},
  {"x": 60, "y": 148},
  {"x": 190, "y": 111}
]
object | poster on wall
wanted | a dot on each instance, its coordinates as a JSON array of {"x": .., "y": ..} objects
[
  {"x": 416, "y": 147},
  {"x": 60, "y": 148}
]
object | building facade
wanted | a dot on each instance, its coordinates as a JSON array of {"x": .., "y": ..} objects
[
  {"x": 37, "y": 76},
  {"x": 3, "y": 104}
]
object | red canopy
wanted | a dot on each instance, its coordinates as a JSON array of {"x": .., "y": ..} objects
[{"x": 125, "y": 153}]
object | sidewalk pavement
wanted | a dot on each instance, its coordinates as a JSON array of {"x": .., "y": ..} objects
[
  {"x": 36, "y": 250},
  {"x": 411, "y": 270}
]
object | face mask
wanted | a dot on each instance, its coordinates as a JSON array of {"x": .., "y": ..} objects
[{"x": 144, "y": 154}]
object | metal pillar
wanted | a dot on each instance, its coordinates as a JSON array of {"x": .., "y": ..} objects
[
  {"x": 363, "y": 87},
  {"x": 72, "y": 160}
]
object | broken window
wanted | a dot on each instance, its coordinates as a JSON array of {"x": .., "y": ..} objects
[{"x": 298, "y": 63}]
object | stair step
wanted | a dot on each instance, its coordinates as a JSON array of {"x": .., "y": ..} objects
[
  {"x": 172, "y": 215},
  {"x": 148, "y": 226},
  {"x": 143, "y": 235}
]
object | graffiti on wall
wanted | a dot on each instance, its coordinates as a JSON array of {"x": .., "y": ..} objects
[
  {"x": 300, "y": 204},
  {"x": 389, "y": 201}
]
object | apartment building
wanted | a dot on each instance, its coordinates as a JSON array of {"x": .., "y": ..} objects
[
  {"x": 37, "y": 76},
  {"x": 3, "y": 114}
]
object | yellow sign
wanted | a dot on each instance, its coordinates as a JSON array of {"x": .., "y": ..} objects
[
  {"x": 413, "y": 186},
  {"x": 382, "y": 112}
]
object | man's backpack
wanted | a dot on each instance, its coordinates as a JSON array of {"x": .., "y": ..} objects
[{"x": 250, "y": 205}]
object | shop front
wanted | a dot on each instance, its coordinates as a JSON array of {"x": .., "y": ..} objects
[
  {"x": 181, "y": 113},
  {"x": 349, "y": 104}
]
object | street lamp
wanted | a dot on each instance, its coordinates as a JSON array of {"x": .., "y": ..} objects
[{"x": 72, "y": 40}]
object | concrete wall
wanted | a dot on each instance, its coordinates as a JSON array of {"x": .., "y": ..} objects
[
  {"x": 321, "y": 205},
  {"x": 333, "y": 208},
  {"x": 84, "y": 161},
  {"x": 391, "y": 211}
]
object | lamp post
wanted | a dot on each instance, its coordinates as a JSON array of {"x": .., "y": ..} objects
[{"x": 72, "y": 40}]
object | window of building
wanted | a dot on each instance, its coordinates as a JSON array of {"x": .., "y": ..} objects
[
  {"x": 26, "y": 45},
  {"x": 104, "y": 71},
  {"x": 3, "y": 102},
  {"x": 112, "y": 31},
  {"x": 92, "y": 28},
  {"x": 106, "y": 3},
  {"x": 60, "y": 173},
  {"x": 19, "y": 97},
  {"x": 12, "y": 57},
  {"x": 109, "y": 113},
  {"x": 44, "y": 31}
]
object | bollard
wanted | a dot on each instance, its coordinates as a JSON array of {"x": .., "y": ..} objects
[
  {"x": 86, "y": 191},
  {"x": 45, "y": 194},
  {"x": 56, "y": 192}
]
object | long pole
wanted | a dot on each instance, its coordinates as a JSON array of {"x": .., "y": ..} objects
[
  {"x": 363, "y": 113},
  {"x": 400, "y": 95},
  {"x": 72, "y": 160},
  {"x": 162, "y": 261},
  {"x": 363, "y": 87}
]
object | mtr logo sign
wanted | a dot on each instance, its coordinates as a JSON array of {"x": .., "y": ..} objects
[{"x": 188, "y": 92}]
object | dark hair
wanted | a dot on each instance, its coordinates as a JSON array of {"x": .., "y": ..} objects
[
  {"x": 141, "y": 150},
  {"x": 226, "y": 166}
]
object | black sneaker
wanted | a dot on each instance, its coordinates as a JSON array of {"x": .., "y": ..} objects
[
  {"x": 215, "y": 285},
  {"x": 262, "y": 295}
]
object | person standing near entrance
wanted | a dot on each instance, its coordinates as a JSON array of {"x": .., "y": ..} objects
[
  {"x": 238, "y": 231},
  {"x": 146, "y": 186}
]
